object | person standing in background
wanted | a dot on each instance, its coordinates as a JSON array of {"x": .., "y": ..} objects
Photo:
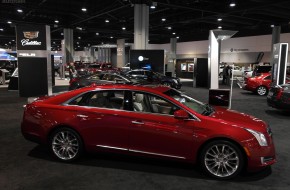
[
  {"x": 71, "y": 70},
  {"x": 225, "y": 74}
]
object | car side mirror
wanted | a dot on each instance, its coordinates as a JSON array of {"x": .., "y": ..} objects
[{"x": 181, "y": 114}]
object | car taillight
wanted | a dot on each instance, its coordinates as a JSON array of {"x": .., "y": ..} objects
[
  {"x": 73, "y": 80},
  {"x": 279, "y": 94}
]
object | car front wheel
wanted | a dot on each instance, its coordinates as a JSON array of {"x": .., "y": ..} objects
[
  {"x": 66, "y": 144},
  {"x": 262, "y": 90},
  {"x": 222, "y": 159}
]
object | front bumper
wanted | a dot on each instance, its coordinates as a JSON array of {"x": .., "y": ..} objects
[{"x": 260, "y": 156}]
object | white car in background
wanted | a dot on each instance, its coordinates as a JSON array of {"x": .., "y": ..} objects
[{"x": 238, "y": 72}]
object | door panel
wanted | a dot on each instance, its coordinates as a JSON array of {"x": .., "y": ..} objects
[{"x": 161, "y": 135}]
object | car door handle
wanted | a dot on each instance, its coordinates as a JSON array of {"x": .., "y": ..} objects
[
  {"x": 138, "y": 122},
  {"x": 82, "y": 116}
]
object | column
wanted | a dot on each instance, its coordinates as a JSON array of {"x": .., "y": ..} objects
[
  {"x": 275, "y": 38},
  {"x": 68, "y": 45},
  {"x": 120, "y": 53},
  {"x": 172, "y": 57},
  {"x": 141, "y": 26}
]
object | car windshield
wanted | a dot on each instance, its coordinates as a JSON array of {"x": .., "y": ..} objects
[{"x": 190, "y": 102}]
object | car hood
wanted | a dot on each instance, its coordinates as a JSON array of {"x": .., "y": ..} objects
[{"x": 238, "y": 119}]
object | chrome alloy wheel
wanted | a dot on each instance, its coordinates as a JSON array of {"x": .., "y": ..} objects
[
  {"x": 221, "y": 160},
  {"x": 65, "y": 145},
  {"x": 261, "y": 90}
]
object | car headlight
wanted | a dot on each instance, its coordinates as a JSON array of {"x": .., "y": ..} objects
[{"x": 259, "y": 136}]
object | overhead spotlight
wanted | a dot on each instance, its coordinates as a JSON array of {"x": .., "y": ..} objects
[
  {"x": 111, "y": 37},
  {"x": 20, "y": 10},
  {"x": 177, "y": 37},
  {"x": 97, "y": 33},
  {"x": 61, "y": 33},
  {"x": 232, "y": 4},
  {"x": 79, "y": 46},
  {"x": 79, "y": 28},
  {"x": 79, "y": 37},
  {"x": 219, "y": 19},
  {"x": 56, "y": 21},
  {"x": 163, "y": 19},
  {"x": 78, "y": 42},
  {"x": 169, "y": 28},
  {"x": 53, "y": 42},
  {"x": 84, "y": 9},
  {"x": 154, "y": 5},
  {"x": 1, "y": 29},
  {"x": 220, "y": 27},
  {"x": 107, "y": 21},
  {"x": 9, "y": 22},
  {"x": 123, "y": 28},
  {"x": 173, "y": 33},
  {"x": 272, "y": 25}
]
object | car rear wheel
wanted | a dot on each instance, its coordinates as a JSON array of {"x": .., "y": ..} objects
[
  {"x": 262, "y": 90},
  {"x": 66, "y": 144},
  {"x": 222, "y": 159}
]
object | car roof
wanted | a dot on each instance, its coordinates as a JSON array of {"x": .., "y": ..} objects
[{"x": 60, "y": 98}]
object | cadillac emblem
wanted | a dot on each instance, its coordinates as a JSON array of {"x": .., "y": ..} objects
[{"x": 31, "y": 34}]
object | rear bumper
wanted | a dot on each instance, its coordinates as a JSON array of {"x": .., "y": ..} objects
[{"x": 278, "y": 104}]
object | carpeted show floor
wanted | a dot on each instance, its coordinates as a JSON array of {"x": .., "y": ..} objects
[{"x": 26, "y": 165}]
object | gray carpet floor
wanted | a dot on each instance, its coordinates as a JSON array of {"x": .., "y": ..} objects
[{"x": 26, "y": 165}]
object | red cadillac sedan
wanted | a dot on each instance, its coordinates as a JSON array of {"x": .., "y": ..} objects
[
  {"x": 156, "y": 121},
  {"x": 259, "y": 84}
]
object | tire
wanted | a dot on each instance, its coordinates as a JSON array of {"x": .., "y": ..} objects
[
  {"x": 222, "y": 159},
  {"x": 262, "y": 90},
  {"x": 66, "y": 144}
]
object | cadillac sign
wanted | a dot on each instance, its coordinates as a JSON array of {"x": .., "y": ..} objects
[{"x": 30, "y": 35}]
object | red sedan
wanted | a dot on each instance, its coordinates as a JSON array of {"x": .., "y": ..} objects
[
  {"x": 156, "y": 121},
  {"x": 259, "y": 84}
]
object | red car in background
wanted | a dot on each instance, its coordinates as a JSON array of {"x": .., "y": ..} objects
[
  {"x": 149, "y": 121},
  {"x": 259, "y": 84},
  {"x": 96, "y": 67}
]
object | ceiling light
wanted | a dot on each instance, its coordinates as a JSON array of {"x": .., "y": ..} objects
[
  {"x": 56, "y": 21},
  {"x": 232, "y": 4},
  {"x": 79, "y": 46},
  {"x": 79, "y": 37},
  {"x": 1, "y": 29},
  {"x": 61, "y": 33},
  {"x": 79, "y": 28},
  {"x": 123, "y": 28},
  {"x": 9, "y": 22},
  {"x": 13, "y": 40},
  {"x": 111, "y": 37},
  {"x": 163, "y": 19},
  {"x": 219, "y": 19},
  {"x": 84, "y": 9},
  {"x": 169, "y": 28},
  {"x": 272, "y": 26},
  {"x": 220, "y": 27},
  {"x": 152, "y": 7},
  {"x": 20, "y": 10},
  {"x": 177, "y": 37},
  {"x": 173, "y": 33},
  {"x": 97, "y": 33},
  {"x": 107, "y": 20},
  {"x": 78, "y": 42},
  {"x": 53, "y": 42}
]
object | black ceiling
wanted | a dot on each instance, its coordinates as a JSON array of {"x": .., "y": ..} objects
[{"x": 190, "y": 20}]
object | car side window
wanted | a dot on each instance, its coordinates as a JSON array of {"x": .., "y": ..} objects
[
  {"x": 112, "y": 99},
  {"x": 268, "y": 77},
  {"x": 143, "y": 102}
]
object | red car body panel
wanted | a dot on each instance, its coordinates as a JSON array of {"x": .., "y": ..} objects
[
  {"x": 252, "y": 83},
  {"x": 146, "y": 133}
]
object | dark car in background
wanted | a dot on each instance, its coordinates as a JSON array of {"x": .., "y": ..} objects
[
  {"x": 103, "y": 78},
  {"x": 155, "y": 77},
  {"x": 279, "y": 97}
]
